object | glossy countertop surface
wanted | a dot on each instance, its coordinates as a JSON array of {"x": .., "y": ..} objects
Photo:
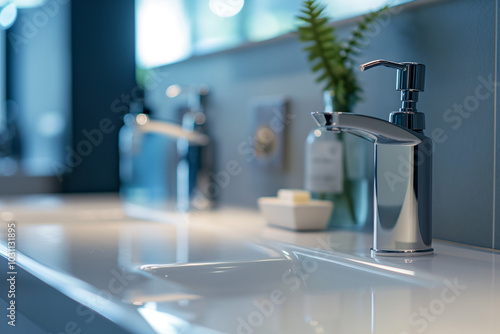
[{"x": 226, "y": 271}]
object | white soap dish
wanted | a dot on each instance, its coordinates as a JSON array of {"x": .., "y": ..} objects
[{"x": 294, "y": 209}]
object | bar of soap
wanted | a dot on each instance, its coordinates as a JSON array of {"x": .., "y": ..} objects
[
  {"x": 294, "y": 209},
  {"x": 293, "y": 196}
]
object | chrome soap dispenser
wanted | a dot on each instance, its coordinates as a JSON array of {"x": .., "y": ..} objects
[{"x": 403, "y": 166}]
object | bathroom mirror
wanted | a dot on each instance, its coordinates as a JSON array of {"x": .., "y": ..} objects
[{"x": 169, "y": 31}]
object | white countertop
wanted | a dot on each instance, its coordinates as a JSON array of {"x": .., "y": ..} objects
[{"x": 225, "y": 271}]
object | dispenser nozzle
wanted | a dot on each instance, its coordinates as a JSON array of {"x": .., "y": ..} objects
[{"x": 410, "y": 81}]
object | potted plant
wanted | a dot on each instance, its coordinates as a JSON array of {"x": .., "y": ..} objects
[{"x": 334, "y": 166}]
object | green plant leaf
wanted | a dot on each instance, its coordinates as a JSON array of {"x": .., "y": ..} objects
[{"x": 332, "y": 58}]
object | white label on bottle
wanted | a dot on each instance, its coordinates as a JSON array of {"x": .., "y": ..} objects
[{"x": 324, "y": 172}]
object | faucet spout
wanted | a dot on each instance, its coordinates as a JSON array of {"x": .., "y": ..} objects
[{"x": 373, "y": 129}]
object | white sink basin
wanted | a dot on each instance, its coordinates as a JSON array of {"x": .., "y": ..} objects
[
  {"x": 296, "y": 269},
  {"x": 303, "y": 291},
  {"x": 223, "y": 278}
]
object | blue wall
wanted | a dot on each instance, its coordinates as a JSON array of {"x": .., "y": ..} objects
[
  {"x": 456, "y": 41},
  {"x": 103, "y": 72}
]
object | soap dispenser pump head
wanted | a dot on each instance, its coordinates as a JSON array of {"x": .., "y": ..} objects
[{"x": 410, "y": 80}]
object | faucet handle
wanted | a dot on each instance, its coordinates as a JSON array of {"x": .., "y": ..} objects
[{"x": 411, "y": 76}]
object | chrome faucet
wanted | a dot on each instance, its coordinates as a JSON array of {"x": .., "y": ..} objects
[
  {"x": 403, "y": 166},
  {"x": 195, "y": 160},
  {"x": 187, "y": 182}
]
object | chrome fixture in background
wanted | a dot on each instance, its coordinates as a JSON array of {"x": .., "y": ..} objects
[
  {"x": 195, "y": 159},
  {"x": 163, "y": 164},
  {"x": 403, "y": 166}
]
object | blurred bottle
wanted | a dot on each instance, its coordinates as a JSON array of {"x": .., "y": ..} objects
[{"x": 335, "y": 170}]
